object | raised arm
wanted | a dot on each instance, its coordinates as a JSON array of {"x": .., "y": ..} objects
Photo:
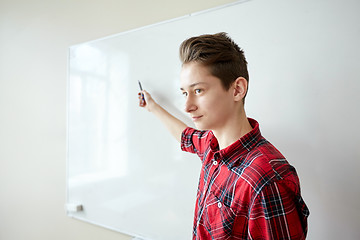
[{"x": 174, "y": 125}]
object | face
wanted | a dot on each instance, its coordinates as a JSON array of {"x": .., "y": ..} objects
[{"x": 208, "y": 103}]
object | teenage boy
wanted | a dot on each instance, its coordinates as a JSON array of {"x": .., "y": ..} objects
[{"x": 247, "y": 189}]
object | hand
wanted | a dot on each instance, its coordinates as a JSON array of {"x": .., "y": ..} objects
[{"x": 146, "y": 101}]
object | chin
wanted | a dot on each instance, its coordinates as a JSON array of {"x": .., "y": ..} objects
[{"x": 201, "y": 127}]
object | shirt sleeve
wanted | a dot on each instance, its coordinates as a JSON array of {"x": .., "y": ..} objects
[
  {"x": 194, "y": 141},
  {"x": 278, "y": 213}
]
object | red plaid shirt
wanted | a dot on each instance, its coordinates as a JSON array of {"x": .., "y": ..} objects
[{"x": 246, "y": 191}]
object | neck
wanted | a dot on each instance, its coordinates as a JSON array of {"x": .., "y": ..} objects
[{"x": 233, "y": 131}]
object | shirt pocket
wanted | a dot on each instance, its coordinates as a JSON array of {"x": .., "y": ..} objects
[{"x": 218, "y": 217}]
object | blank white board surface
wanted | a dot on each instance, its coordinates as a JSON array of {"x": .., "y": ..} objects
[{"x": 128, "y": 173}]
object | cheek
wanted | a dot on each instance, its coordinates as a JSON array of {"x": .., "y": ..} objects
[
  {"x": 216, "y": 101},
  {"x": 208, "y": 103},
  {"x": 222, "y": 105},
  {"x": 213, "y": 104}
]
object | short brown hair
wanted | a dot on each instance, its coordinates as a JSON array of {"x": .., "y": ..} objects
[{"x": 220, "y": 53}]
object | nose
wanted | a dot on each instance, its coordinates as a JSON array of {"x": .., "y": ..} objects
[{"x": 190, "y": 105}]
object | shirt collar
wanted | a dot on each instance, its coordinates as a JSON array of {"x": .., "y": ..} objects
[{"x": 230, "y": 155}]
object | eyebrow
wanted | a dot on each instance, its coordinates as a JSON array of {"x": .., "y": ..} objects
[{"x": 194, "y": 84}]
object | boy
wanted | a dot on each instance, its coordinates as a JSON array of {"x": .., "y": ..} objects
[{"x": 247, "y": 189}]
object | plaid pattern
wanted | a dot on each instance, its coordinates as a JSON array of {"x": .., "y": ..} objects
[{"x": 246, "y": 191}]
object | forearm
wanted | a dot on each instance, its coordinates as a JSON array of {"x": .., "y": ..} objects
[{"x": 174, "y": 125}]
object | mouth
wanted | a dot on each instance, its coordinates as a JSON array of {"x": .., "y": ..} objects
[{"x": 196, "y": 118}]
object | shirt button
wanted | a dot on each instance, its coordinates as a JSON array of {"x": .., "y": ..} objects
[
  {"x": 215, "y": 163},
  {"x": 219, "y": 204}
]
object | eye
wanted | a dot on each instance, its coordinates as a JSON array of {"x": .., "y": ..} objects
[
  {"x": 184, "y": 94},
  {"x": 198, "y": 91}
]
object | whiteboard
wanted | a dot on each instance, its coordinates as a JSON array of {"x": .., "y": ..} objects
[{"x": 128, "y": 173}]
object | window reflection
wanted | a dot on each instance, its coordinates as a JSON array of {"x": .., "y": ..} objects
[{"x": 97, "y": 121}]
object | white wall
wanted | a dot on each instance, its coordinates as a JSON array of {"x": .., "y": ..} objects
[{"x": 34, "y": 40}]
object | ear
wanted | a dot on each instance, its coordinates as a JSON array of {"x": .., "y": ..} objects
[{"x": 240, "y": 88}]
